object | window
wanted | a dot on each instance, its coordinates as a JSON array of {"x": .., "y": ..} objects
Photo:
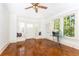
[
  {"x": 30, "y": 25},
  {"x": 57, "y": 24},
  {"x": 21, "y": 26},
  {"x": 69, "y": 22}
]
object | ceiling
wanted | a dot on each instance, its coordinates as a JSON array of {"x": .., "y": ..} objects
[{"x": 53, "y": 9}]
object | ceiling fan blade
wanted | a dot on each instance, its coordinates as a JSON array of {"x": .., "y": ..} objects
[
  {"x": 44, "y": 7},
  {"x": 29, "y": 7}
]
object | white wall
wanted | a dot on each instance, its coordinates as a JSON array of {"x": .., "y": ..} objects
[
  {"x": 4, "y": 27},
  {"x": 13, "y": 28},
  {"x": 13, "y": 23}
]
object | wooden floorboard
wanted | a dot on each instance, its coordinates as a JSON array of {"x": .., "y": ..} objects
[{"x": 39, "y": 47}]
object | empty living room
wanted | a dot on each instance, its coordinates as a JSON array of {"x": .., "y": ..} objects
[{"x": 39, "y": 29}]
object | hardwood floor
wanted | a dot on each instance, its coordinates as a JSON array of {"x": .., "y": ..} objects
[{"x": 39, "y": 47}]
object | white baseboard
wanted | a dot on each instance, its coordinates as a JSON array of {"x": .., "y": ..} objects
[
  {"x": 67, "y": 42},
  {"x": 4, "y": 48},
  {"x": 76, "y": 46},
  {"x": 13, "y": 41}
]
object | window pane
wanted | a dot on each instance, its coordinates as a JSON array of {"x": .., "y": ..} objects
[
  {"x": 57, "y": 24},
  {"x": 69, "y": 22}
]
